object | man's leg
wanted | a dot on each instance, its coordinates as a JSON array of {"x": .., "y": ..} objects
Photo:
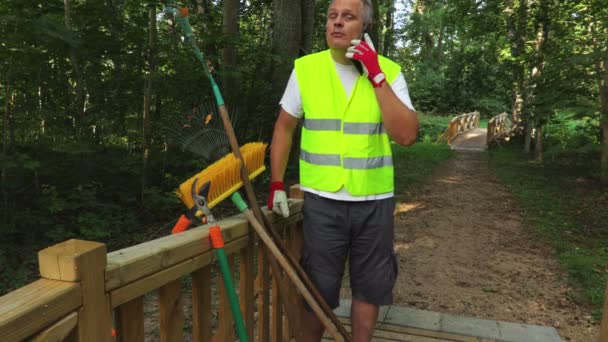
[
  {"x": 363, "y": 319},
  {"x": 311, "y": 326},
  {"x": 324, "y": 251},
  {"x": 373, "y": 266}
]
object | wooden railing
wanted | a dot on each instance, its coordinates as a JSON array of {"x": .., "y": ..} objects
[
  {"x": 498, "y": 129},
  {"x": 460, "y": 124},
  {"x": 86, "y": 294}
]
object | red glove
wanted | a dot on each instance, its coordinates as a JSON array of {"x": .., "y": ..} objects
[
  {"x": 277, "y": 199},
  {"x": 365, "y": 52}
]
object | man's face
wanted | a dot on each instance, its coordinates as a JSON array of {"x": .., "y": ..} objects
[{"x": 344, "y": 23}]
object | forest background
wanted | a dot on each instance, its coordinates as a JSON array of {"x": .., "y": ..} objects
[{"x": 95, "y": 94}]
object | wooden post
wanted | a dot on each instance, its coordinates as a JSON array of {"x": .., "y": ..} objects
[
  {"x": 130, "y": 321},
  {"x": 246, "y": 286},
  {"x": 225, "y": 327},
  {"x": 84, "y": 262},
  {"x": 263, "y": 284},
  {"x": 296, "y": 192},
  {"x": 294, "y": 238},
  {"x": 294, "y": 241},
  {"x": 171, "y": 312},
  {"x": 604, "y": 324},
  {"x": 201, "y": 304},
  {"x": 277, "y": 310}
]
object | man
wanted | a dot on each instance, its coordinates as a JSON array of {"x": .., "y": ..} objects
[{"x": 346, "y": 167}]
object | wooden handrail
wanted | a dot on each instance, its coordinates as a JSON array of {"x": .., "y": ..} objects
[
  {"x": 82, "y": 284},
  {"x": 460, "y": 124},
  {"x": 498, "y": 128}
]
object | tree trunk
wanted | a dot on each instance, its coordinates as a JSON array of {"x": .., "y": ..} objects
[
  {"x": 201, "y": 7},
  {"x": 286, "y": 40},
  {"x": 146, "y": 129},
  {"x": 604, "y": 119},
  {"x": 538, "y": 144},
  {"x": 528, "y": 136},
  {"x": 427, "y": 51},
  {"x": 6, "y": 147},
  {"x": 389, "y": 24},
  {"x": 375, "y": 29},
  {"x": 601, "y": 67},
  {"x": 6, "y": 120},
  {"x": 230, "y": 79},
  {"x": 516, "y": 20},
  {"x": 308, "y": 17},
  {"x": 77, "y": 102},
  {"x": 542, "y": 43},
  {"x": 540, "y": 111}
]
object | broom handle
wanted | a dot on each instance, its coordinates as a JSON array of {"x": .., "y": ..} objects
[{"x": 318, "y": 299}]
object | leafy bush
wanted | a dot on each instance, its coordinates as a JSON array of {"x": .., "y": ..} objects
[{"x": 573, "y": 138}]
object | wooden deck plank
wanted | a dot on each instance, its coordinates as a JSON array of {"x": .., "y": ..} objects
[{"x": 381, "y": 335}]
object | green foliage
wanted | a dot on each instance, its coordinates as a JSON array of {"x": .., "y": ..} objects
[
  {"x": 83, "y": 192},
  {"x": 573, "y": 138},
  {"x": 561, "y": 205}
]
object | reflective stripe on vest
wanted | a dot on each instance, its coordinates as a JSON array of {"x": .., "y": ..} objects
[
  {"x": 349, "y": 127},
  {"x": 320, "y": 159},
  {"x": 363, "y": 128},
  {"x": 323, "y": 124},
  {"x": 368, "y": 163},
  {"x": 349, "y": 163}
]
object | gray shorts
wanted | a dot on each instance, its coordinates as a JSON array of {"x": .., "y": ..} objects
[{"x": 362, "y": 231}]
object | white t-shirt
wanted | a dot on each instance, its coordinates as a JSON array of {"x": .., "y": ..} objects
[{"x": 291, "y": 102}]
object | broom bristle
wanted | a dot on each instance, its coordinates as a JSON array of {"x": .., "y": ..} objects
[{"x": 225, "y": 175}]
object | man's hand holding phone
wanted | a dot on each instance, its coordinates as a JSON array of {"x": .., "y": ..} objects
[{"x": 364, "y": 52}]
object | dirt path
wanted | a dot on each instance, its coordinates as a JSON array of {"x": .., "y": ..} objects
[{"x": 463, "y": 250}]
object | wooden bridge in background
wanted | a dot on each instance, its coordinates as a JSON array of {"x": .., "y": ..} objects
[{"x": 464, "y": 134}]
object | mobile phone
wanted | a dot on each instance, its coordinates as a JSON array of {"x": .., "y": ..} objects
[{"x": 357, "y": 63}]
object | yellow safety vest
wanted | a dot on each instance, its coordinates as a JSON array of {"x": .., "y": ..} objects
[{"x": 343, "y": 140}]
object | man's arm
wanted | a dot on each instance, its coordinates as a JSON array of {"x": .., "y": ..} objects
[
  {"x": 400, "y": 122},
  {"x": 280, "y": 146}
]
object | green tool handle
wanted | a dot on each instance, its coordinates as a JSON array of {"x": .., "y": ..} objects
[
  {"x": 181, "y": 17},
  {"x": 218, "y": 244}
]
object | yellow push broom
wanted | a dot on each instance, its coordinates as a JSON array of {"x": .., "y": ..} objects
[{"x": 224, "y": 177}]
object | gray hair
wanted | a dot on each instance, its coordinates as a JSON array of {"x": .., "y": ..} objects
[{"x": 368, "y": 12}]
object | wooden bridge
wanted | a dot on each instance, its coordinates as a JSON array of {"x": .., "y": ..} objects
[{"x": 464, "y": 134}]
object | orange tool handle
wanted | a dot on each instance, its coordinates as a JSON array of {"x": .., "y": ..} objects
[
  {"x": 182, "y": 224},
  {"x": 215, "y": 234}
]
